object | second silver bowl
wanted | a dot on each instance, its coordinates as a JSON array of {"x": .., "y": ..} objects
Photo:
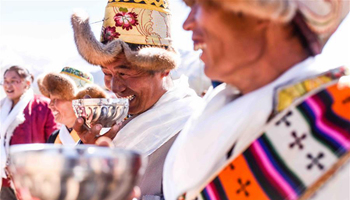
[
  {"x": 84, "y": 172},
  {"x": 106, "y": 112}
]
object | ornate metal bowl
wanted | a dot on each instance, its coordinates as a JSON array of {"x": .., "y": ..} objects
[
  {"x": 106, "y": 112},
  {"x": 84, "y": 172}
]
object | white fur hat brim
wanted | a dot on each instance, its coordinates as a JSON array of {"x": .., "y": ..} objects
[{"x": 97, "y": 53}]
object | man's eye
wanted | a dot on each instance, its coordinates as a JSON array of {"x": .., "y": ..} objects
[{"x": 122, "y": 74}]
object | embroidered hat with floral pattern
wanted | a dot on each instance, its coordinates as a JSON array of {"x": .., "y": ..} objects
[
  {"x": 315, "y": 17},
  {"x": 139, "y": 29},
  {"x": 68, "y": 84}
]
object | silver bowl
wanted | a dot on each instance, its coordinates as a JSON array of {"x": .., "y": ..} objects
[
  {"x": 84, "y": 172},
  {"x": 106, "y": 112}
]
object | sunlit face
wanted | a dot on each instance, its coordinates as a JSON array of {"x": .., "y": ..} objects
[
  {"x": 14, "y": 86},
  {"x": 62, "y": 110},
  {"x": 141, "y": 88},
  {"x": 229, "y": 41}
]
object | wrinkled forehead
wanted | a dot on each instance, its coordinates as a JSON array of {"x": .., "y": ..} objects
[{"x": 120, "y": 62}]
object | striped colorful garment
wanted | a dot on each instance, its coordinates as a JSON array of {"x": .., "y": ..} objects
[
  {"x": 287, "y": 94},
  {"x": 299, "y": 147},
  {"x": 74, "y": 135}
]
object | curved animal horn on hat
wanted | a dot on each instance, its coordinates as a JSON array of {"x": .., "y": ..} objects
[
  {"x": 89, "y": 48},
  {"x": 97, "y": 53}
]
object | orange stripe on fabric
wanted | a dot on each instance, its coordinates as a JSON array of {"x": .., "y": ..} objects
[
  {"x": 75, "y": 136},
  {"x": 341, "y": 97},
  {"x": 230, "y": 181},
  {"x": 58, "y": 141}
]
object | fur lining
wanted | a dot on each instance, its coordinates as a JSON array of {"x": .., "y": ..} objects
[
  {"x": 96, "y": 53},
  {"x": 89, "y": 48},
  {"x": 93, "y": 91},
  {"x": 57, "y": 84},
  {"x": 153, "y": 59},
  {"x": 41, "y": 87}
]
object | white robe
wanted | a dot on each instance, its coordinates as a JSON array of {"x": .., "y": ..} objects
[
  {"x": 148, "y": 131},
  {"x": 211, "y": 131},
  {"x": 9, "y": 120}
]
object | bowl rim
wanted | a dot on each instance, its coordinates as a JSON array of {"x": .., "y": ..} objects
[
  {"x": 99, "y": 101},
  {"x": 97, "y": 150}
]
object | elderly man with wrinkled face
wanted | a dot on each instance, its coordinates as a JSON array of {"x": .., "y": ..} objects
[
  {"x": 278, "y": 125},
  {"x": 136, "y": 57}
]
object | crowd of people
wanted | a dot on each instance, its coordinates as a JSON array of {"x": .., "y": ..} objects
[{"x": 275, "y": 124}]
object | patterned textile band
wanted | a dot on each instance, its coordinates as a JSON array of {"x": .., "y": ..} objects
[
  {"x": 159, "y": 5},
  {"x": 287, "y": 94},
  {"x": 300, "y": 148},
  {"x": 145, "y": 22}
]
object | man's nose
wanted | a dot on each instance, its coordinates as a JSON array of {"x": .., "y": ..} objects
[
  {"x": 117, "y": 85},
  {"x": 189, "y": 22}
]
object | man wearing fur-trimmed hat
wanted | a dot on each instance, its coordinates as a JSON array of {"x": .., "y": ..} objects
[
  {"x": 136, "y": 56},
  {"x": 62, "y": 88},
  {"x": 278, "y": 127}
]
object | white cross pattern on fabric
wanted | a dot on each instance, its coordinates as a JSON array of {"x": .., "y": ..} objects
[{"x": 296, "y": 159}]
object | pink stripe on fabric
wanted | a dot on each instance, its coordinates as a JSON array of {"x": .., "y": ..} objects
[
  {"x": 271, "y": 170},
  {"x": 211, "y": 192},
  {"x": 320, "y": 124}
]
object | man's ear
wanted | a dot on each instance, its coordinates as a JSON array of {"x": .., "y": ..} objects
[{"x": 165, "y": 73}]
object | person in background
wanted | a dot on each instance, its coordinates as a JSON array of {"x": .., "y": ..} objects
[
  {"x": 24, "y": 118},
  {"x": 136, "y": 56},
  {"x": 62, "y": 88},
  {"x": 278, "y": 127},
  {"x": 192, "y": 67}
]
